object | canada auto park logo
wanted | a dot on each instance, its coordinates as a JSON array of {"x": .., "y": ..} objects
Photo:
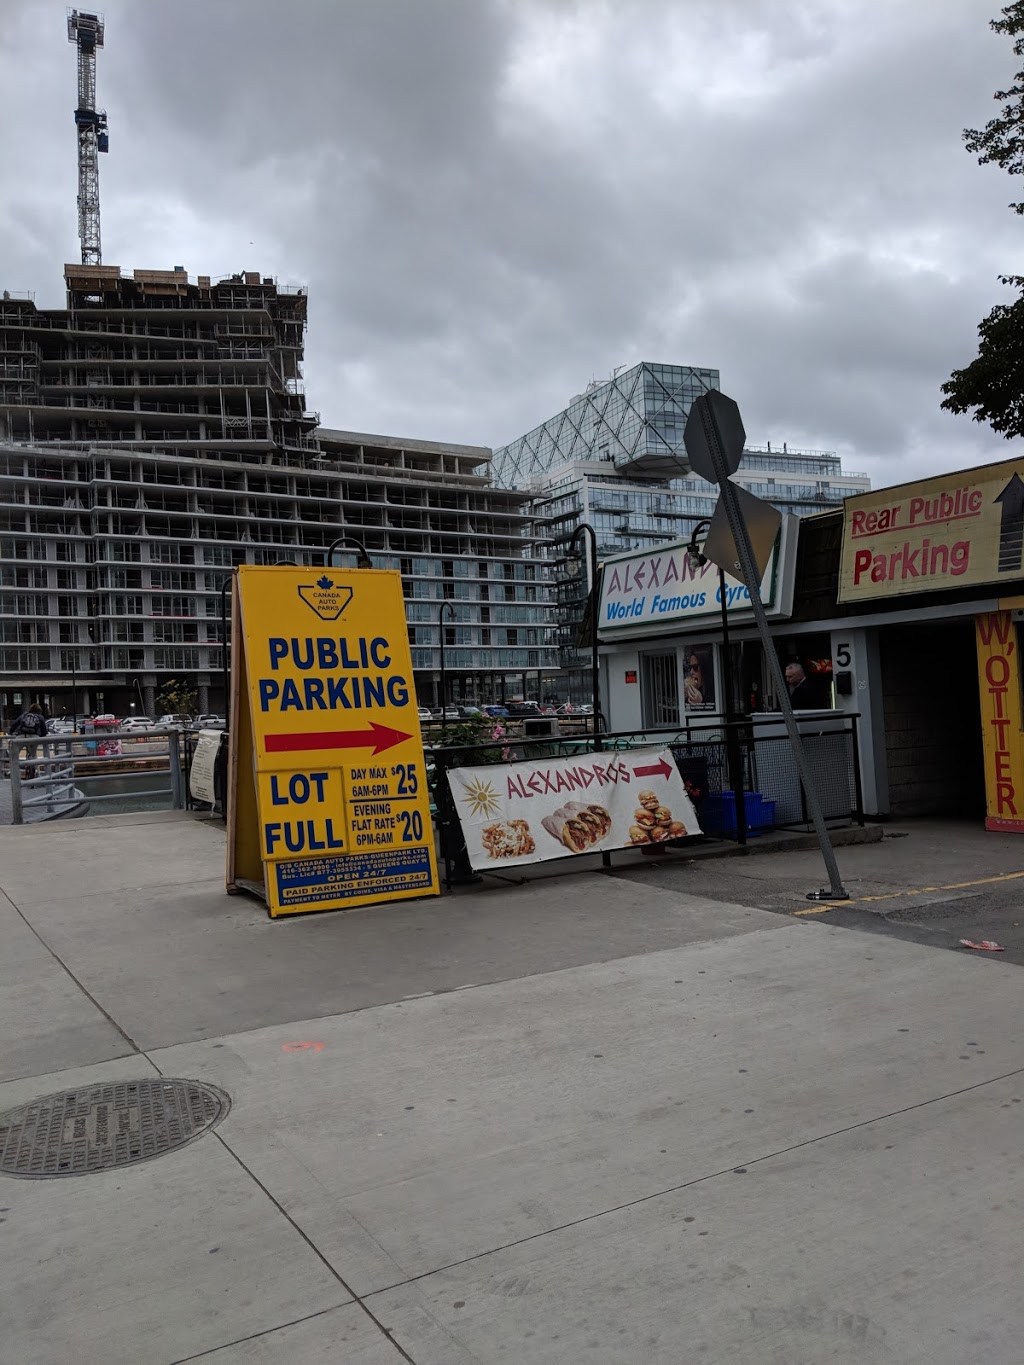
[{"x": 326, "y": 598}]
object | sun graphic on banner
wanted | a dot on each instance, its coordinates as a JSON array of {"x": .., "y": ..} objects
[{"x": 482, "y": 798}]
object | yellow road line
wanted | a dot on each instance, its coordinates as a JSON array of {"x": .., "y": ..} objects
[
  {"x": 910, "y": 891},
  {"x": 1002, "y": 877}
]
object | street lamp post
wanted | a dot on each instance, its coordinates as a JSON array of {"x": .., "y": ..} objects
[
  {"x": 733, "y": 753},
  {"x": 225, "y": 588},
  {"x": 585, "y": 529},
  {"x": 363, "y": 560},
  {"x": 91, "y": 632},
  {"x": 459, "y": 871},
  {"x": 445, "y": 606}
]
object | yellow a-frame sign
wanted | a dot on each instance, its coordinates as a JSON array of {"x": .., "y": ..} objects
[{"x": 328, "y": 806}]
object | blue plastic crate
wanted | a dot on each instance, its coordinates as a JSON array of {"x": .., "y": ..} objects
[
  {"x": 718, "y": 814},
  {"x": 766, "y": 815}
]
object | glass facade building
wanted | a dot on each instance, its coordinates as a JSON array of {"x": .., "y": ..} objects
[
  {"x": 633, "y": 422},
  {"x": 614, "y": 458}
]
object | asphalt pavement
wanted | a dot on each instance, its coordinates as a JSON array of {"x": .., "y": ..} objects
[{"x": 929, "y": 882}]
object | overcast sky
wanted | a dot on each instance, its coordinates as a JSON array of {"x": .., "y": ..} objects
[{"x": 494, "y": 201}]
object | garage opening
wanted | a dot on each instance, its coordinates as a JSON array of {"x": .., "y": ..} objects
[{"x": 933, "y": 719}]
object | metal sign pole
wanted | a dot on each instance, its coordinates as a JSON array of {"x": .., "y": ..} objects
[
  {"x": 750, "y": 577},
  {"x": 733, "y": 748}
]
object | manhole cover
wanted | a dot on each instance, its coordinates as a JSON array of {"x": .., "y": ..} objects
[{"x": 103, "y": 1126}]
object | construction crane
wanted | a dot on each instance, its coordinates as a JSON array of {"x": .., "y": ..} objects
[{"x": 86, "y": 31}]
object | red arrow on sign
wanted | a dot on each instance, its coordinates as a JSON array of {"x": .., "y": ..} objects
[
  {"x": 661, "y": 768},
  {"x": 377, "y": 738}
]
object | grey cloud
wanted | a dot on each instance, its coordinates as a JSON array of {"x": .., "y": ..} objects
[{"x": 492, "y": 202}]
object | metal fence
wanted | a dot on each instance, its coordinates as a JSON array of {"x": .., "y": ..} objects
[
  {"x": 770, "y": 792},
  {"x": 44, "y": 778}
]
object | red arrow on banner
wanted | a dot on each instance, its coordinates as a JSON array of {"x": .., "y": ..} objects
[
  {"x": 662, "y": 768},
  {"x": 377, "y": 738}
]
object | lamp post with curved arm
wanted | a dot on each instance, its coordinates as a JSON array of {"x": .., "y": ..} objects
[
  {"x": 445, "y": 606},
  {"x": 585, "y": 529},
  {"x": 363, "y": 560},
  {"x": 698, "y": 559}
]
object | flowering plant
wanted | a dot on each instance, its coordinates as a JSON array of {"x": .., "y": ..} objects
[
  {"x": 470, "y": 733},
  {"x": 498, "y": 731}
]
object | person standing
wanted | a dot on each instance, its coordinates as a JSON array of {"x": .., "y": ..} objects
[
  {"x": 803, "y": 694},
  {"x": 31, "y": 724}
]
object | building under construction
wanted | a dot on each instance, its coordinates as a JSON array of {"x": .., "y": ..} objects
[{"x": 153, "y": 433}]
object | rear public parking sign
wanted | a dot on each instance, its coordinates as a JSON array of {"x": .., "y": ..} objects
[{"x": 337, "y": 812}]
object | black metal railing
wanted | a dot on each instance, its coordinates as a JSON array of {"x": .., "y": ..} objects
[{"x": 773, "y": 796}]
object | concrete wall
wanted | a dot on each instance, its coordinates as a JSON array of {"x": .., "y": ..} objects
[{"x": 856, "y": 651}]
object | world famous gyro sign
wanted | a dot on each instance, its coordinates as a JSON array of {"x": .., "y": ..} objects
[{"x": 533, "y": 811}]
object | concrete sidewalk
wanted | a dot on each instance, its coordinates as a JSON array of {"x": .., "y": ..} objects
[{"x": 596, "y": 1118}]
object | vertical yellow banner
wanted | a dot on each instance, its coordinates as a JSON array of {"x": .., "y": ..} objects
[
  {"x": 342, "y": 808},
  {"x": 1001, "y": 721}
]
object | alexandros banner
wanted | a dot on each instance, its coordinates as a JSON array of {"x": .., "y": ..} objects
[{"x": 531, "y": 812}]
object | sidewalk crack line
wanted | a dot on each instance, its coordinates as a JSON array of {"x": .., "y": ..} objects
[
  {"x": 356, "y": 1298},
  {"x": 697, "y": 1180},
  {"x": 64, "y": 967},
  {"x": 255, "y": 1336}
]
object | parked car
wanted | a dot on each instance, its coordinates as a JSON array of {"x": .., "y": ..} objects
[
  {"x": 425, "y": 713},
  {"x": 447, "y": 713},
  {"x": 469, "y": 712},
  {"x": 523, "y": 708},
  {"x": 210, "y": 722},
  {"x": 138, "y": 723},
  {"x": 176, "y": 720},
  {"x": 497, "y": 712}
]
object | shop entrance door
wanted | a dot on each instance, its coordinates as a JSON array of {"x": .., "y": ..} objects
[
  {"x": 933, "y": 719},
  {"x": 660, "y": 673}
]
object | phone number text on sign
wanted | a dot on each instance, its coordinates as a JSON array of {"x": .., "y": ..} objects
[{"x": 532, "y": 812}]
